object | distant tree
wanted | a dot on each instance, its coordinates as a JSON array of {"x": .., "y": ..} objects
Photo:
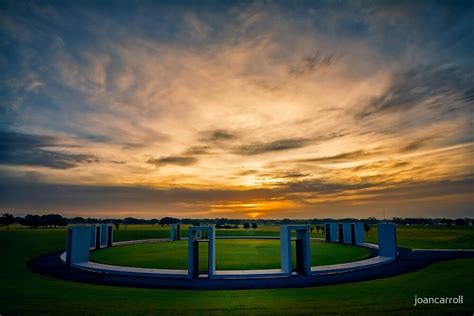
[
  {"x": 33, "y": 221},
  {"x": 367, "y": 228},
  {"x": 194, "y": 222},
  {"x": 371, "y": 220},
  {"x": 77, "y": 220},
  {"x": 129, "y": 220},
  {"x": 246, "y": 225},
  {"x": 318, "y": 228},
  {"x": 168, "y": 220},
  {"x": 311, "y": 228},
  {"x": 52, "y": 220},
  {"x": 6, "y": 220},
  {"x": 447, "y": 221},
  {"x": 461, "y": 222},
  {"x": 117, "y": 225},
  {"x": 254, "y": 226}
]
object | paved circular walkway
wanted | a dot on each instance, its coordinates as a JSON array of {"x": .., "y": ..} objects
[{"x": 408, "y": 261}]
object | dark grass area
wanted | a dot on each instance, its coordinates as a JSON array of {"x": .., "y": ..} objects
[{"x": 23, "y": 292}]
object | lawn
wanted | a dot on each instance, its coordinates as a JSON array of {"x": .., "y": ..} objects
[
  {"x": 230, "y": 254},
  {"x": 25, "y": 293},
  {"x": 431, "y": 237}
]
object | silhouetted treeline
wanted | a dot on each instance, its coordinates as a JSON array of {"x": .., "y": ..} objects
[
  {"x": 55, "y": 220},
  {"x": 49, "y": 220}
]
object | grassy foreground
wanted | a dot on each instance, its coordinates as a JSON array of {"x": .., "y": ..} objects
[
  {"x": 230, "y": 254},
  {"x": 23, "y": 292}
]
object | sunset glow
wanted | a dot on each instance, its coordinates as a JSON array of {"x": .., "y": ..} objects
[{"x": 246, "y": 110}]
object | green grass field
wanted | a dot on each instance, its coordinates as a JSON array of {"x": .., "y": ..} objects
[
  {"x": 432, "y": 237},
  {"x": 25, "y": 293},
  {"x": 230, "y": 254}
]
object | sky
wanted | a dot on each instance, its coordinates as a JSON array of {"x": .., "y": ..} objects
[{"x": 295, "y": 109}]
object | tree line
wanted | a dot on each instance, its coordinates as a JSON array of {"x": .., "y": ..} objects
[{"x": 55, "y": 220}]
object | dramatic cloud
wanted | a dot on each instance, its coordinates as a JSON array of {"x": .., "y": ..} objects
[
  {"x": 217, "y": 135},
  {"x": 440, "y": 86},
  {"x": 173, "y": 160},
  {"x": 278, "y": 109},
  {"x": 25, "y": 149},
  {"x": 276, "y": 145}
]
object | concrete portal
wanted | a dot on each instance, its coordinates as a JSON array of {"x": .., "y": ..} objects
[
  {"x": 193, "y": 250},
  {"x": 330, "y": 232},
  {"x": 303, "y": 260},
  {"x": 78, "y": 242},
  {"x": 175, "y": 231},
  {"x": 387, "y": 237}
]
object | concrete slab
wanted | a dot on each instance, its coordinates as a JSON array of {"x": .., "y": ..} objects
[
  {"x": 351, "y": 266},
  {"x": 347, "y": 233},
  {"x": 131, "y": 271},
  {"x": 78, "y": 243},
  {"x": 359, "y": 233},
  {"x": 247, "y": 274},
  {"x": 387, "y": 239},
  {"x": 330, "y": 232}
]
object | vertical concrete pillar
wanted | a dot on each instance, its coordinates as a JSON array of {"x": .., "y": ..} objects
[
  {"x": 103, "y": 235},
  {"x": 97, "y": 236},
  {"x": 175, "y": 231},
  {"x": 303, "y": 259},
  {"x": 78, "y": 242},
  {"x": 193, "y": 253},
  {"x": 172, "y": 232},
  {"x": 93, "y": 235},
  {"x": 178, "y": 231},
  {"x": 285, "y": 249},
  {"x": 330, "y": 232},
  {"x": 110, "y": 235},
  {"x": 347, "y": 233},
  {"x": 340, "y": 232},
  {"x": 359, "y": 233},
  {"x": 387, "y": 237},
  {"x": 211, "y": 235}
]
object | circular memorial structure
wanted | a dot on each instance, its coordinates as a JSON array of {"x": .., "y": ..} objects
[
  {"x": 234, "y": 253},
  {"x": 301, "y": 262}
]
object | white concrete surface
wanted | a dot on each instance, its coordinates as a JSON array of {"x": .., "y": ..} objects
[
  {"x": 352, "y": 266},
  {"x": 347, "y": 233},
  {"x": 332, "y": 229},
  {"x": 302, "y": 235},
  {"x": 359, "y": 233},
  {"x": 387, "y": 239},
  {"x": 78, "y": 244},
  {"x": 193, "y": 235}
]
